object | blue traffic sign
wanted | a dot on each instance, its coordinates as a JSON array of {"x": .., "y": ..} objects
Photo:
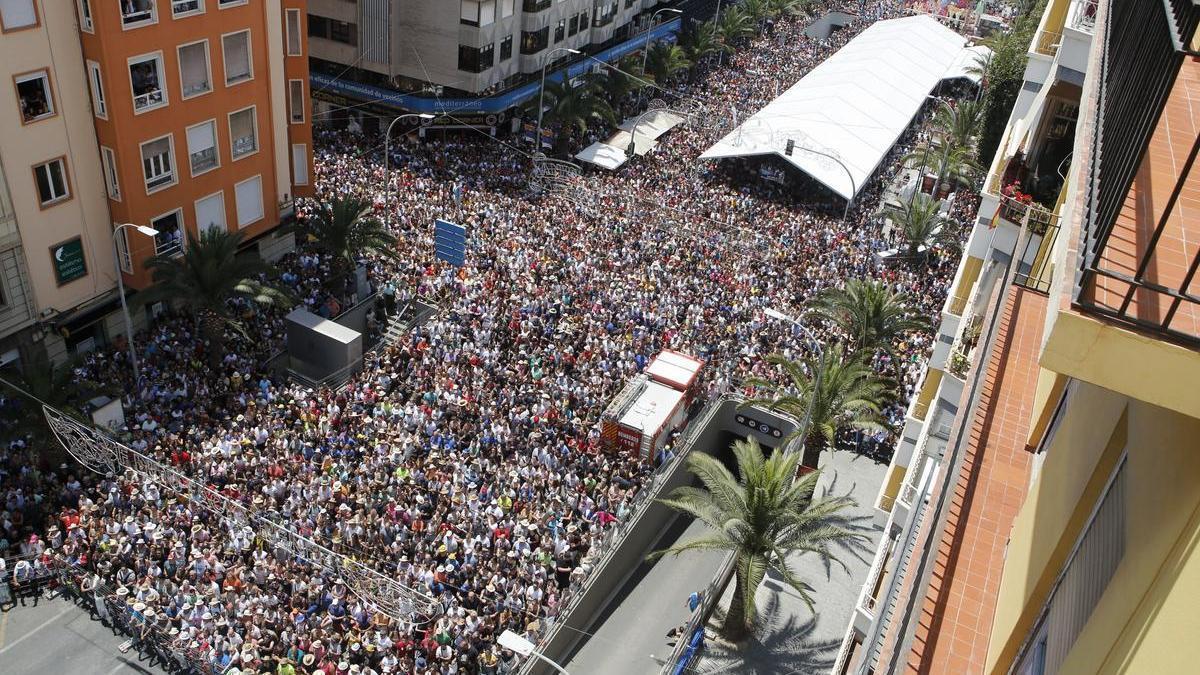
[{"x": 450, "y": 242}]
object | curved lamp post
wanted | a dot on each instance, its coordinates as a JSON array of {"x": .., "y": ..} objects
[
  {"x": 537, "y": 135},
  {"x": 149, "y": 232},
  {"x": 387, "y": 154}
]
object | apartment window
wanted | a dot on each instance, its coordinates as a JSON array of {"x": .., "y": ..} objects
[
  {"x": 300, "y": 163},
  {"x": 210, "y": 213},
  {"x": 34, "y": 96},
  {"x": 476, "y": 59},
  {"x": 109, "y": 159},
  {"x": 506, "y": 49},
  {"x": 560, "y": 31},
  {"x": 182, "y": 8},
  {"x": 123, "y": 256},
  {"x": 17, "y": 14},
  {"x": 169, "y": 240},
  {"x": 294, "y": 43},
  {"x": 318, "y": 26},
  {"x": 573, "y": 25},
  {"x": 195, "y": 76},
  {"x": 85, "y": 16},
  {"x": 243, "y": 133},
  {"x": 248, "y": 195},
  {"x": 506, "y": 8},
  {"x": 477, "y": 12},
  {"x": 534, "y": 41},
  {"x": 535, "y": 5},
  {"x": 96, "y": 82},
  {"x": 236, "y": 49},
  {"x": 346, "y": 33},
  {"x": 202, "y": 147},
  {"x": 296, "y": 101},
  {"x": 629, "y": 4},
  {"x": 230, "y": 3},
  {"x": 583, "y": 21},
  {"x": 158, "y": 164},
  {"x": 146, "y": 79},
  {"x": 136, "y": 13},
  {"x": 52, "y": 184}
]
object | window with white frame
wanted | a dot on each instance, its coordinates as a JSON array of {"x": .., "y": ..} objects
[
  {"x": 507, "y": 8},
  {"x": 111, "y": 183},
  {"x": 236, "y": 50},
  {"x": 300, "y": 163},
  {"x": 34, "y": 96},
  {"x": 51, "y": 180},
  {"x": 96, "y": 82},
  {"x": 123, "y": 251},
  {"x": 243, "y": 133},
  {"x": 17, "y": 14},
  {"x": 85, "y": 16},
  {"x": 230, "y": 3},
  {"x": 296, "y": 101},
  {"x": 210, "y": 213},
  {"x": 146, "y": 79},
  {"x": 248, "y": 195},
  {"x": 169, "y": 240},
  {"x": 158, "y": 164},
  {"x": 136, "y": 13},
  {"x": 194, "y": 73},
  {"x": 294, "y": 42},
  {"x": 182, "y": 8},
  {"x": 202, "y": 147}
]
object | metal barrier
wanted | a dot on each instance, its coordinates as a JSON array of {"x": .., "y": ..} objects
[{"x": 686, "y": 649}]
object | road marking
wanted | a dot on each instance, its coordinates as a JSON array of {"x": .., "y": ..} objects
[{"x": 45, "y": 623}]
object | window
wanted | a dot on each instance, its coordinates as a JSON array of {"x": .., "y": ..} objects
[
  {"x": 158, "y": 164},
  {"x": 236, "y": 49},
  {"x": 136, "y": 13},
  {"x": 210, "y": 213},
  {"x": 296, "y": 101},
  {"x": 506, "y": 8},
  {"x": 182, "y": 8},
  {"x": 346, "y": 33},
  {"x": 248, "y": 195},
  {"x": 169, "y": 240},
  {"x": 318, "y": 26},
  {"x": 487, "y": 12},
  {"x": 560, "y": 31},
  {"x": 195, "y": 77},
  {"x": 476, "y": 59},
  {"x": 230, "y": 3},
  {"x": 123, "y": 252},
  {"x": 111, "y": 184},
  {"x": 534, "y": 41},
  {"x": 535, "y": 5},
  {"x": 583, "y": 21},
  {"x": 294, "y": 42},
  {"x": 243, "y": 133},
  {"x": 52, "y": 184},
  {"x": 629, "y": 4},
  {"x": 506, "y": 49},
  {"x": 202, "y": 147},
  {"x": 300, "y": 164},
  {"x": 469, "y": 13},
  {"x": 145, "y": 76},
  {"x": 573, "y": 26},
  {"x": 96, "y": 81},
  {"x": 17, "y": 14},
  {"x": 34, "y": 96},
  {"x": 85, "y": 16}
]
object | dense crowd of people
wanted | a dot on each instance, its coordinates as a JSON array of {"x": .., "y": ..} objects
[{"x": 463, "y": 461}]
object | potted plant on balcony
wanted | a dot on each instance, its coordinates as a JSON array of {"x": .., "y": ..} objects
[{"x": 1014, "y": 203}]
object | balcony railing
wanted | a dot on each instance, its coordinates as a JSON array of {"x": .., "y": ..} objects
[
  {"x": 1048, "y": 43},
  {"x": 244, "y": 145},
  {"x": 147, "y": 99},
  {"x": 1084, "y": 18},
  {"x": 532, "y": 6},
  {"x": 204, "y": 160},
  {"x": 184, "y": 6},
  {"x": 136, "y": 11}
]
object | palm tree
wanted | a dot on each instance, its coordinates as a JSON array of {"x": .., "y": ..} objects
[
  {"x": 346, "y": 229},
  {"x": 757, "y": 11},
  {"x": 575, "y": 107},
  {"x": 704, "y": 42},
  {"x": 735, "y": 25},
  {"x": 777, "y": 8},
  {"x": 922, "y": 226},
  {"x": 762, "y": 517},
  {"x": 56, "y": 385},
  {"x": 960, "y": 123},
  {"x": 615, "y": 84},
  {"x": 850, "y": 396},
  {"x": 205, "y": 277},
  {"x": 665, "y": 61},
  {"x": 869, "y": 312}
]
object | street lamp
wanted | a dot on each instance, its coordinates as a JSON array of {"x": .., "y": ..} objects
[
  {"x": 387, "y": 155},
  {"x": 518, "y": 644},
  {"x": 780, "y": 316},
  {"x": 149, "y": 232},
  {"x": 853, "y": 186},
  {"x": 537, "y": 136},
  {"x": 646, "y": 46}
]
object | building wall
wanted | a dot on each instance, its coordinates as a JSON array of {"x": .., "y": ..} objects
[
  {"x": 1144, "y": 616},
  {"x": 111, "y": 46},
  {"x": 53, "y": 45}
]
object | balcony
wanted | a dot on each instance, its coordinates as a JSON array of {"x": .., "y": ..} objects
[
  {"x": 1082, "y": 16},
  {"x": 136, "y": 12},
  {"x": 535, "y": 6}
]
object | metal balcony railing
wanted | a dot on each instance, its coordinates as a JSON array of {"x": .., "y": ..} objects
[
  {"x": 1048, "y": 43},
  {"x": 1084, "y": 18}
]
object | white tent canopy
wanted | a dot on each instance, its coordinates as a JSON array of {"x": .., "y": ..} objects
[{"x": 854, "y": 105}]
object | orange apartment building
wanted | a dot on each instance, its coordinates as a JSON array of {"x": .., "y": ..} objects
[{"x": 202, "y": 116}]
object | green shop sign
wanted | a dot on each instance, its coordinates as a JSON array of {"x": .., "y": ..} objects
[{"x": 69, "y": 264}]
